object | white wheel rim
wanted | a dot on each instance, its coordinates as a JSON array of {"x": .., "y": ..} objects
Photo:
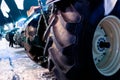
[{"x": 106, "y": 56}]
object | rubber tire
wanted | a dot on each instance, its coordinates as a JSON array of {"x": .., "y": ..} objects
[
  {"x": 83, "y": 66},
  {"x": 89, "y": 70}
]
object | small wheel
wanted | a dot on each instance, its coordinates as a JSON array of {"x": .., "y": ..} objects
[
  {"x": 103, "y": 54},
  {"x": 106, "y": 46}
]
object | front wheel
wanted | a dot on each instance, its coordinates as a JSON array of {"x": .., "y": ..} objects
[{"x": 105, "y": 49}]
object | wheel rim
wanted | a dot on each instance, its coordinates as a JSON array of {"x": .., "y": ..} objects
[{"x": 106, "y": 46}]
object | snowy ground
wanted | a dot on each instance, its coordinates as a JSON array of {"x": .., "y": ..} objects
[{"x": 15, "y": 64}]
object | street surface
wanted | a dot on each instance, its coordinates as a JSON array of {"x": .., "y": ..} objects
[{"x": 16, "y": 65}]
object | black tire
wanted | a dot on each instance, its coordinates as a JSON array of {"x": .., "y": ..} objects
[
  {"x": 89, "y": 68},
  {"x": 35, "y": 52},
  {"x": 7, "y": 36},
  {"x": 35, "y": 47},
  {"x": 76, "y": 62}
]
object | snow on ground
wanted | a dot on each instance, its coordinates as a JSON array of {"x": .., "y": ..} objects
[{"x": 16, "y": 65}]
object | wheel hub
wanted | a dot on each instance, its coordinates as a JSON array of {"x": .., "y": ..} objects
[{"x": 106, "y": 46}]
